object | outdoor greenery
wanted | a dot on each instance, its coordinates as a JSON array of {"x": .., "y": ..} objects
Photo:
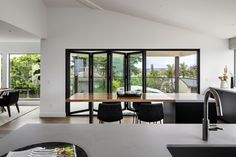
[
  {"x": 162, "y": 79},
  {"x": 25, "y": 74},
  {"x": 100, "y": 73}
]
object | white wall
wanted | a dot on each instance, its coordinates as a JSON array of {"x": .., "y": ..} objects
[
  {"x": 29, "y": 15},
  {"x": 19, "y": 47},
  {"x": 82, "y": 28},
  {"x": 232, "y": 43}
]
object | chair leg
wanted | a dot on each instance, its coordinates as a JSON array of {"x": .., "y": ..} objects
[
  {"x": 17, "y": 107},
  {"x": 133, "y": 118},
  {"x": 2, "y": 108},
  {"x": 9, "y": 111},
  {"x": 136, "y": 119},
  {"x": 120, "y": 121}
]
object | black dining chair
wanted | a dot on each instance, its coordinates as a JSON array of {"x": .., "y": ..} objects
[
  {"x": 110, "y": 112},
  {"x": 10, "y": 99},
  {"x": 150, "y": 112},
  {"x": 136, "y": 106}
]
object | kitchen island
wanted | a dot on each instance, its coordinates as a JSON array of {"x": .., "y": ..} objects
[
  {"x": 114, "y": 140},
  {"x": 187, "y": 108},
  {"x": 228, "y": 99}
]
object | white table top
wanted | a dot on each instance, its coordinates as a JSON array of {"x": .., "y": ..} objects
[
  {"x": 114, "y": 140},
  {"x": 152, "y": 97}
]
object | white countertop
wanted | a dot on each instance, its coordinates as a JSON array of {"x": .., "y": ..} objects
[
  {"x": 114, "y": 140},
  {"x": 187, "y": 97},
  {"x": 232, "y": 90}
]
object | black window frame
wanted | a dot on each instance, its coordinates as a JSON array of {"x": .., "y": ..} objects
[{"x": 109, "y": 70}]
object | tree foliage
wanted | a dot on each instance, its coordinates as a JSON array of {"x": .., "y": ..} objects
[{"x": 23, "y": 73}]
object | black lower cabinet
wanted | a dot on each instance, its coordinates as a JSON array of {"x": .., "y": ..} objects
[{"x": 193, "y": 112}]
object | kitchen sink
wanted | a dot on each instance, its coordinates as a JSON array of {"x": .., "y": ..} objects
[{"x": 201, "y": 150}]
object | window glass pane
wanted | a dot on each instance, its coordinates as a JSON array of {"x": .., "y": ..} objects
[
  {"x": 79, "y": 72},
  {"x": 25, "y": 74},
  {"x": 160, "y": 73},
  {"x": 135, "y": 65},
  {"x": 188, "y": 73},
  {"x": 100, "y": 73},
  {"x": 117, "y": 72}
]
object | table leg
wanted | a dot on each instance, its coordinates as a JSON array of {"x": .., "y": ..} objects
[{"x": 90, "y": 112}]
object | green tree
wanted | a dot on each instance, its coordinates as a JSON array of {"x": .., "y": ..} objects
[
  {"x": 100, "y": 70},
  {"x": 22, "y": 73},
  {"x": 170, "y": 74},
  {"x": 134, "y": 60},
  {"x": 154, "y": 80},
  {"x": 170, "y": 71},
  {"x": 184, "y": 70}
]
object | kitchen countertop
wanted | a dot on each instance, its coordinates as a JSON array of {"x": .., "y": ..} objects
[
  {"x": 187, "y": 97},
  {"x": 231, "y": 90},
  {"x": 114, "y": 140}
]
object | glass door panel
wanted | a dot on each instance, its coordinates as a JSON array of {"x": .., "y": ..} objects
[
  {"x": 117, "y": 72},
  {"x": 100, "y": 73},
  {"x": 79, "y": 73},
  {"x": 135, "y": 71},
  {"x": 160, "y": 72},
  {"x": 188, "y": 73}
]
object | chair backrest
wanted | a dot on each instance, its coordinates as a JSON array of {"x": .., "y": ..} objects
[
  {"x": 136, "y": 105},
  {"x": 110, "y": 112},
  {"x": 13, "y": 97},
  {"x": 150, "y": 112}
]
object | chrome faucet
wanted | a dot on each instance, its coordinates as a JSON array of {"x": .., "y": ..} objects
[{"x": 205, "y": 121}]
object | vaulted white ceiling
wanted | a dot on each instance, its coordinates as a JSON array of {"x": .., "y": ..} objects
[{"x": 216, "y": 17}]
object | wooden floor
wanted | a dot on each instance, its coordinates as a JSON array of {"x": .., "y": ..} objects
[{"x": 33, "y": 117}]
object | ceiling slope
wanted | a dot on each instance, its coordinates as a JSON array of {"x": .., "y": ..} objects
[{"x": 215, "y": 17}]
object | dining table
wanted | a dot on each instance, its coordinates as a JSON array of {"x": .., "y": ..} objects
[{"x": 113, "y": 97}]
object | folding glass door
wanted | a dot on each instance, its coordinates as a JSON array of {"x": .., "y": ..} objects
[
  {"x": 77, "y": 78},
  {"x": 118, "y": 71},
  {"x": 79, "y": 73},
  {"x": 100, "y": 72},
  {"x": 135, "y": 71}
]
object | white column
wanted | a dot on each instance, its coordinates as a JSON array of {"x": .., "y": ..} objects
[{"x": 5, "y": 65}]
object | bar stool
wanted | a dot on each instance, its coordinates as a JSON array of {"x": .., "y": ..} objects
[
  {"x": 136, "y": 106},
  {"x": 110, "y": 112},
  {"x": 150, "y": 112}
]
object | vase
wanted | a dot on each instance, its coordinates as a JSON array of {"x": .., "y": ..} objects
[{"x": 224, "y": 84}]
